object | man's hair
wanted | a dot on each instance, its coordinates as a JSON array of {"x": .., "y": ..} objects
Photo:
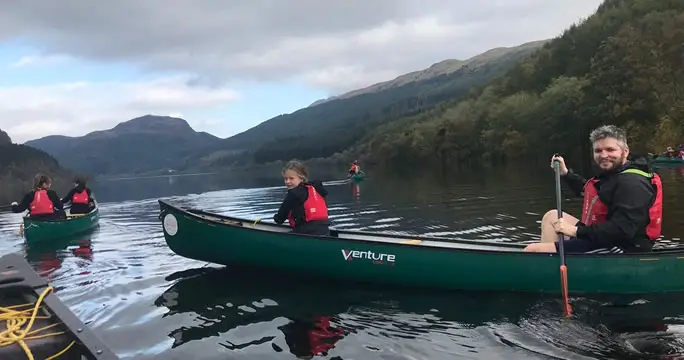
[{"x": 609, "y": 131}]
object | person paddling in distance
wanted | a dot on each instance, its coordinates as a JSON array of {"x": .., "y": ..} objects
[
  {"x": 80, "y": 197},
  {"x": 304, "y": 205},
  {"x": 622, "y": 209},
  {"x": 41, "y": 202}
]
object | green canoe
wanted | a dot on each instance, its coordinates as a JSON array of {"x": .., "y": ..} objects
[
  {"x": 56, "y": 330},
  {"x": 357, "y": 177},
  {"x": 411, "y": 260},
  {"x": 667, "y": 160},
  {"x": 39, "y": 230}
]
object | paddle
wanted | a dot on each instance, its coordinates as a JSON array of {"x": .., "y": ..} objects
[
  {"x": 567, "y": 311},
  {"x": 5, "y": 207}
]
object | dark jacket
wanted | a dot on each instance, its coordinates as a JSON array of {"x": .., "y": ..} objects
[
  {"x": 79, "y": 208},
  {"x": 628, "y": 197},
  {"x": 28, "y": 198},
  {"x": 294, "y": 201}
]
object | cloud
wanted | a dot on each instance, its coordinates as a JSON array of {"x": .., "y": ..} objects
[
  {"x": 336, "y": 45},
  {"x": 40, "y": 60},
  {"x": 29, "y": 112}
]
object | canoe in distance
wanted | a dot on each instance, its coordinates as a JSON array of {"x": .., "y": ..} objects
[
  {"x": 41, "y": 230},
  {"x": 413, "y": 261}
]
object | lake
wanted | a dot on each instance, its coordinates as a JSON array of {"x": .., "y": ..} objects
[{"x": 145, "y": 302}]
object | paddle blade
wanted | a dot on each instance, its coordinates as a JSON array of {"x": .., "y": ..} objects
[{"x": 567, "y": 310}]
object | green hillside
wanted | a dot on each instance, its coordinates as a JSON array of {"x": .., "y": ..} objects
[{"x": 622, "y": 66}]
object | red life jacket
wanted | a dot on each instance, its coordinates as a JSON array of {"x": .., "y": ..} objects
[
  {"x": 594, "y": 211},
  {"x": 41, "y": 203},
  {"x": 354, "y": 168},
  {"x": 80, "y": 198},
  {"x": 315, "y": 208}
]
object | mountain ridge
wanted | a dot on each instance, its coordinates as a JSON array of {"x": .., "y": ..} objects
[
  {"x": 442, "y": 67},
  {"x": 142, "y": 144}
]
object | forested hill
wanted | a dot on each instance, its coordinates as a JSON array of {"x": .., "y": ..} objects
[
  {"x": 20, "y": 163},
  {"x": 623, "y": 66},
  {"x": 332, "y": 125}
]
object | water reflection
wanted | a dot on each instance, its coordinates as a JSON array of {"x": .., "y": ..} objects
[
  {"x": 148, "y": 303},
  {"x": 260, "y": 312}
]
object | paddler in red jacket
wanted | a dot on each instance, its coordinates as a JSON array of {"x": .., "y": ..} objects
[
  {"x": 80, "y": 197},
  {"x": 622, "y": 209},
  {"x": 41, "y": 202},
  {"x": 304, "y": 206}
]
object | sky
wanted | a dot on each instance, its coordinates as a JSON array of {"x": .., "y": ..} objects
[{"x": 70, "y": 67}]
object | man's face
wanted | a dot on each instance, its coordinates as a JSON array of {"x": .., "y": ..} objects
[{"x": 608, "y": 154}]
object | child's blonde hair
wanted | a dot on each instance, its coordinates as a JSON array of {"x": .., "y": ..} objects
[{"x": 298, "y": 168}]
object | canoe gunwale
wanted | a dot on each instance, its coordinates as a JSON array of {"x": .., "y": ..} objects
[
  {"x": 95, "y": 211},
  {"x": 417, "y": 241},
  {"x": 18, "y": 274}
]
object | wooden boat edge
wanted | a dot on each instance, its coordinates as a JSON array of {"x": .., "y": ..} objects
[{"x": 416, "y": 241}]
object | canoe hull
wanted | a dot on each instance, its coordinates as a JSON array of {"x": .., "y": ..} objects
[
  {"x": 357, "y": 177},
  {"x": 667, "y": 160},
  {"x": 410, "y": 263},
  {"x": 42, "y": 230}
]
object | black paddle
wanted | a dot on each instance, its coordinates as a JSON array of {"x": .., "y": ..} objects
[{"x": 567, "y": 311}]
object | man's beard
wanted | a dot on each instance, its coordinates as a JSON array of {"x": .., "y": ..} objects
[{"x": 614, "y": 164}]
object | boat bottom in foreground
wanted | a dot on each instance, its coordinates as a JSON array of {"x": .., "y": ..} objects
[{"x": 28, "y": 304}]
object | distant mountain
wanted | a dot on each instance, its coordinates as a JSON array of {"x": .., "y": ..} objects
[
  {"x": 18, "y": 166},
  {"x": 329, "y": 126},
  {"x": 144, "y": 144},
  {"x": 4, "y": 138}
]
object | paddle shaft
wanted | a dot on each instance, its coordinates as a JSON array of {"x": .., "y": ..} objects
[
  {"x": 5, "y": 207},
  {"x": 559, "y": 203},
  {"x": 567, "y": 311}
]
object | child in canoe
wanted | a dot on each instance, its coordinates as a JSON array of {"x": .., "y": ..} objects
[
  {"x": 41, "y": 202},
  {"x": 304, "y": 205},
  {"x": 80, "y": 197}
]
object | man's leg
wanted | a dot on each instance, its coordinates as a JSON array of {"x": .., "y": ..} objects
[{"x": 548, "y": 235}]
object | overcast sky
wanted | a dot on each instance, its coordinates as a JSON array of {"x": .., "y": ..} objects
[{"x": 73, "y": 66}]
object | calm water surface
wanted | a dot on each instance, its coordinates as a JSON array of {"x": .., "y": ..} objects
[{"x": 146, "y": 302}]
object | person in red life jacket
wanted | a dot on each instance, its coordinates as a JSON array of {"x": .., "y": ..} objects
[
  {"x": 304, "y": 205},
  {"x": 80, "y": 197},
  {"x": 622, "y": 209},
  {"x": 41, "y": 202},
  {"x": 355, "y": 168},
  {"x": 680, "y": 154}
]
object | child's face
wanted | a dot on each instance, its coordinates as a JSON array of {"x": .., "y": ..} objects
[{"x": 291, "y": 179}]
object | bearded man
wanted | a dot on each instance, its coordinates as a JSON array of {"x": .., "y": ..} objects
[{"x": 622, "y": 209}]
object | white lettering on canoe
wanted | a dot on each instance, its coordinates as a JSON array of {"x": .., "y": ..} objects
[{"x": 377, "y": 258}]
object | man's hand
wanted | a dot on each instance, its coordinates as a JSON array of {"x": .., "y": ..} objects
[
  {"x": 561, "y": 164},
  {"x": 563, "y": 227}
]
